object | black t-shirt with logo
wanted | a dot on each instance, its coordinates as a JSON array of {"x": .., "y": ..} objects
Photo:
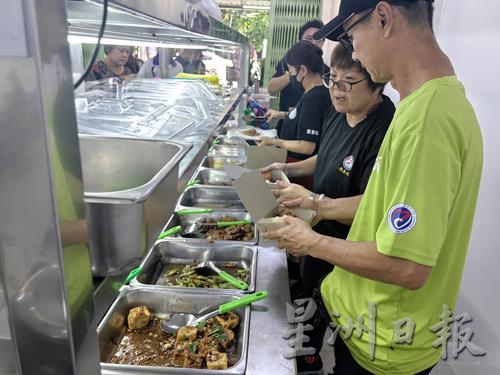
[
  {"x": 290, "y": 95},
  {"x": 346, "y": 158},
  {"x": 305, "y": 121}
]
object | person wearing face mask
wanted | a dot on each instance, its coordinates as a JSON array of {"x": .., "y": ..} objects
[
  {"x": 280, "y": 82},
  {"x": 301, "y": 130}
]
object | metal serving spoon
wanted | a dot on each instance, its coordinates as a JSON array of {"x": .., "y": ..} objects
[{"x": 179, "y": 320}]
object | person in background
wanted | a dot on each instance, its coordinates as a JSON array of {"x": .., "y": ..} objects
[
  {"x": 352, "y": 134},
  {"x": 151, "y": 68},
  {"x": 280, "y": 82},
  {"x": 197, "y": 66},
  {"x": 301, "y": 129},
  {"x": 255, "y": 68},
  {"x": 405, "y": 253},
  {"x": 191, "y": 61},
  {"x": 184, "y": 57},
  {"x": 113, "y": 65},
  {"x": 133, "y": 63}
]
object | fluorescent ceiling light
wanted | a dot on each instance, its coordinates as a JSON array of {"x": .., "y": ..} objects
[{"x": 122, "y": 42}]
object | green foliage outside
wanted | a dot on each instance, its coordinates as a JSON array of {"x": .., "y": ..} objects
[{"x": 253, "y": 25}]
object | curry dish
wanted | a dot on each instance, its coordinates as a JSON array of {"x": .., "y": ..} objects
[{"x": 210, "y": 345}]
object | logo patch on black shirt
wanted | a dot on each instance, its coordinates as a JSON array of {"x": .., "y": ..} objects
[{"x": 348, "y": 162}]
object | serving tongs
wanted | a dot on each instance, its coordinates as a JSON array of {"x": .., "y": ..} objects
[
  {"x": 178, "y": 320},
  {"x": 208, "y": 268}
]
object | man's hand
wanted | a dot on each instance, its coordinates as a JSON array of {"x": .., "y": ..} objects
[
  {"x": 287, "y": 192},
  {"x": 297, "y": 237}
]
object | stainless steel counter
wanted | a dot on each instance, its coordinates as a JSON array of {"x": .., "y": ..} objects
[{"x": 268, "y": 318}]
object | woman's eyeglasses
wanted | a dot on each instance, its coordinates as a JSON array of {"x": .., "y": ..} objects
[{"x": 344, "y": 86}]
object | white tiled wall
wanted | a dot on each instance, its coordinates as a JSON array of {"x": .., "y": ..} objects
[{"x": 469, "y": 32}]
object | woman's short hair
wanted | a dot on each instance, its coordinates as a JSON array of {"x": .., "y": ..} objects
[
  {"x": 108, "y": 48},
  {"x": 342, "y": 59},
  {"x": 307, "y": 54}
]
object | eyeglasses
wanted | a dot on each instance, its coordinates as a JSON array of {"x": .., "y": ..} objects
[
  {"x": 344, "y": 86},
  {"x": 345, "y": 39}
]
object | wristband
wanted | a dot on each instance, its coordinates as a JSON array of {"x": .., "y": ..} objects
[{"x": 316, "y": 197}]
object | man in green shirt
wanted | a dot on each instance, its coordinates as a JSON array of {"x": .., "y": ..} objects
[{"x": 405, "y": 253}]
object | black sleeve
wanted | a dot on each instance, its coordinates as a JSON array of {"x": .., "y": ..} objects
[
  {"x": 310, "y": 121},
  {"x": 369, "y": 160},
  {"x": 280, "y": 69},
  {"x": 380, "y": 126},
  {"x": 330, "y": 116}
]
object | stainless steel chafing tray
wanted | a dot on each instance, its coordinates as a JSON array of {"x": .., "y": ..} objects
[
  {"x": 161, "y": 301},
  {"x": 231, "y": 141},
  {"x": 225, "y": 198},
  {"x": 228, "y": 151},
  {"x": 186, "y": 220},
  {"x": 218, "y": 162},
  {"x": 174, "y": 252},
  {"x": 129, "y": 186},
  {"x": 212, "y": 177}
]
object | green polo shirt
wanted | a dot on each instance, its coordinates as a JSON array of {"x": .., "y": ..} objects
[{"x": 419, "y": 205}]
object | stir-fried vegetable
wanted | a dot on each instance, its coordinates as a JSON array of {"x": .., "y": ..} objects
[{"x": 186, "y": 276}]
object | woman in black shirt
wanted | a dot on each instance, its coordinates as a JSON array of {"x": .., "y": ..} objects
[
  {"x": 352, "y": 135},
  {"x": 300, "y": 133}
]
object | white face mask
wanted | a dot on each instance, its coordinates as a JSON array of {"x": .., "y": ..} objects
[{"x": 292, "y": 114}]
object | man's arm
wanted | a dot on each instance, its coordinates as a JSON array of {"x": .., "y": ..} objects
[
  {"x": 276, "y": 84},
  {"x": 359, "y": 258},
  {"x": 363, "y": 259}
]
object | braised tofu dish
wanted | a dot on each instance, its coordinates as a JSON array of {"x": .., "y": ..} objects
[
  {"x": 138, "y": 317},
  {"x": 211, "y": 344}
]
